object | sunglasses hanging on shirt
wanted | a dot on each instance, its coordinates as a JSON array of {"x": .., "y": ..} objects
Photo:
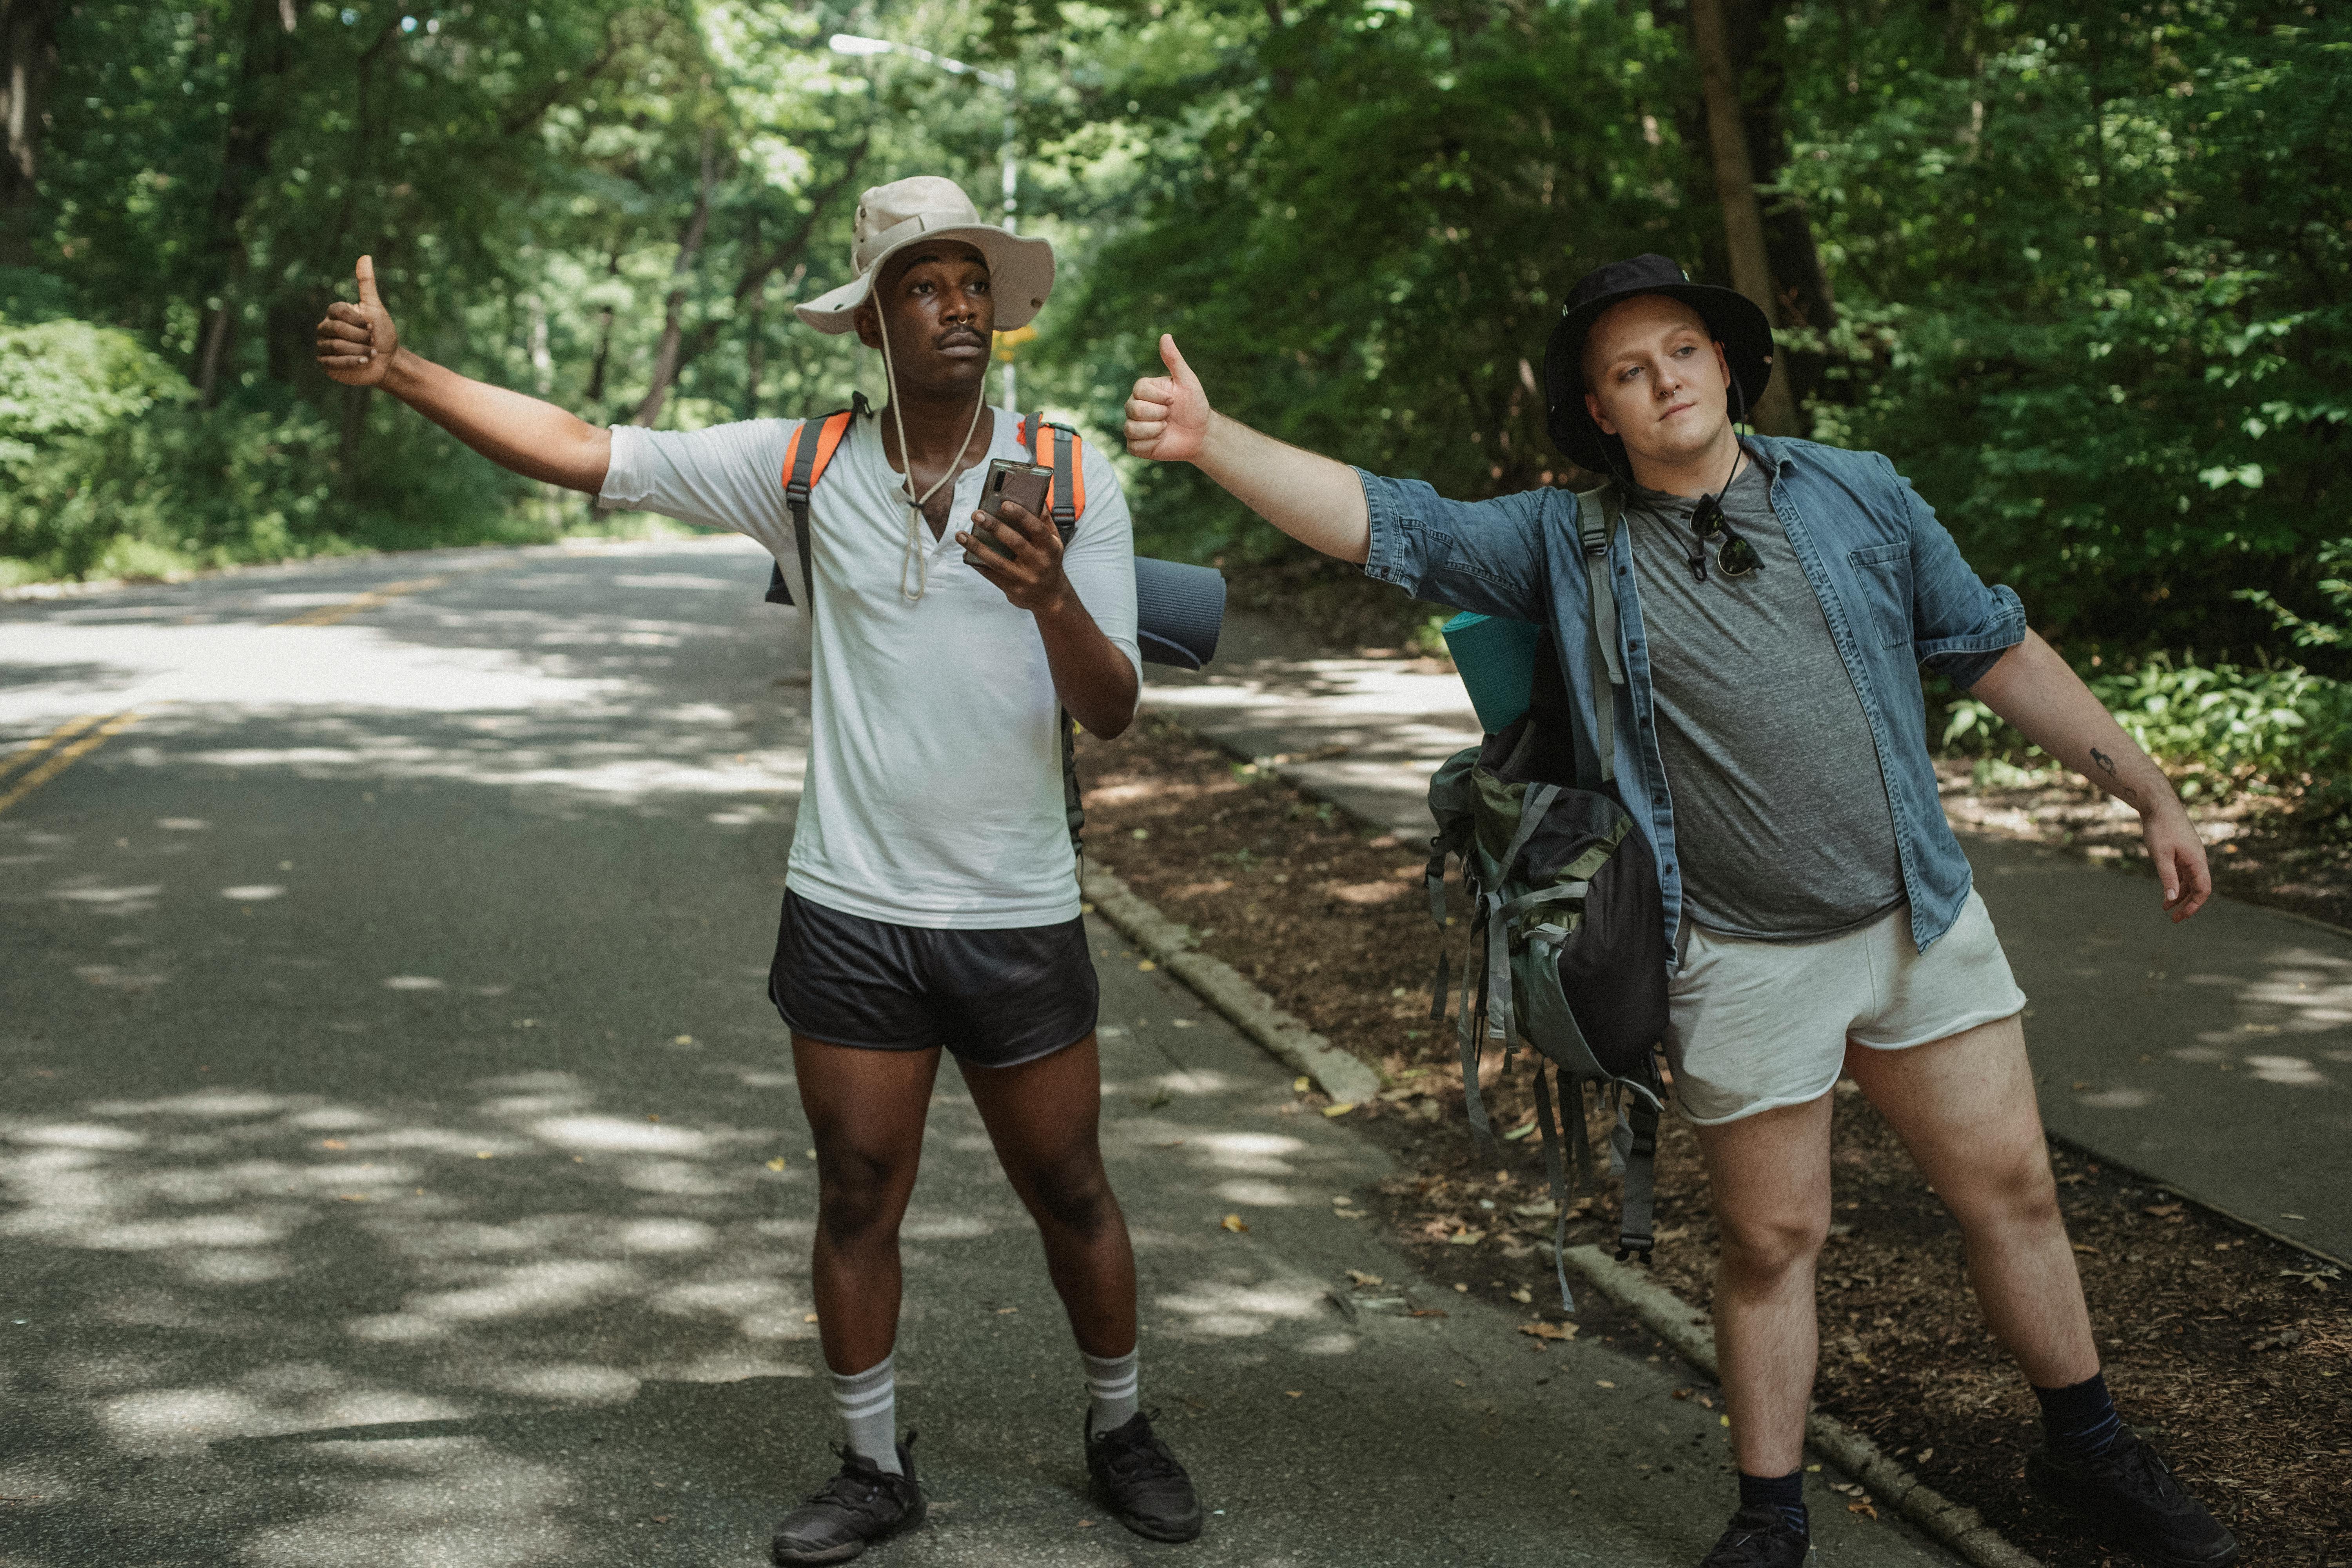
[{"x": 1734, "y": 556}]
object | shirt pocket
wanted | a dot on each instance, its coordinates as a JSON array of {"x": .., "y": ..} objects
[{"x": 1882, "y": 572}]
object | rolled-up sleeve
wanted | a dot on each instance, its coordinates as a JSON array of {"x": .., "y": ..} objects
[
  {"x": 1484, "y": 556},
  {"x": 1960, "y": 625}
]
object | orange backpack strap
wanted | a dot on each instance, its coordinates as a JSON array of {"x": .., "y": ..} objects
[
  {"x": 806, "y": 456},
  {"x": 1066, "y": 500},
  {"x": 1066, "y": 493}
]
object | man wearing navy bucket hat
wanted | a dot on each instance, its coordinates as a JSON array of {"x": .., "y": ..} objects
[
  {"x": 933, "y": 899},
  {"x": 1774, "y": 601}
]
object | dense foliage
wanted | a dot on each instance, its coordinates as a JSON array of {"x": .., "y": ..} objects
[{"x": 2084, "y": 272}]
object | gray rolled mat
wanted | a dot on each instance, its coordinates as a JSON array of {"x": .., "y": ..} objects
[{"x": 1179, "y": 610}]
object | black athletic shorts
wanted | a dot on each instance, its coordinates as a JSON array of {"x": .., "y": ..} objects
[{"x": 994, "y": 998}]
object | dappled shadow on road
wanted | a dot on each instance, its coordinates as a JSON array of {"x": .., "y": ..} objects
[
  {"x": 205, "y": 1269},
  {"x": 505, "y": 1320}
]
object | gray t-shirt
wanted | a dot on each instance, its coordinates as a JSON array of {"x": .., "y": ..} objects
[{"x": 1782, "y": 820}]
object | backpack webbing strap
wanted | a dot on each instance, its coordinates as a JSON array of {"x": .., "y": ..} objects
[
  {"x": 1549, "y": 1128},
  {"x": 1065, "y": 502},
  {"x": 1634, "y": 1142},
  {"x": 1065, "y": 498},
  {"x": 805, "y": 459},
  {"x": 1433, "y": 874},
  {"x": 1477, "y": 984},
  {"x": 1594, "y": 532},
  {"x": 1494, "y": 913}
]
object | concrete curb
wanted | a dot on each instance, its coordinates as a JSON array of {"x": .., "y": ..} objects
[
  {"x": 1685, "y": 1328},
  {"x": 1346, "y": 1077}
]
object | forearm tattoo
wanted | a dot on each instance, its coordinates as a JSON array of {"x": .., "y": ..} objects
[{"x": 2107, "y": 766}]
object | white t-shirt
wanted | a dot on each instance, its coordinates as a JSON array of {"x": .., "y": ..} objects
[{"x": 934, "y": 789}]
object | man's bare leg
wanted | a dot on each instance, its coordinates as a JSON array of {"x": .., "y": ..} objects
[
  {"x": 1964, "y": 1107},
  {"x": 1042, "y": 1117},
  {"x": 1769, "y": 1179},
  {"x": 866, "y": 1109}
]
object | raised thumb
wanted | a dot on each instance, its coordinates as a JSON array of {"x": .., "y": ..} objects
[
  {"x": 1171, "y": 356},
  {"x": 366, "y": 272}
]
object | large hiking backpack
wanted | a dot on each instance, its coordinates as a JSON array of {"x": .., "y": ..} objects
[
  {"x": 1567, "y": 949},
  {"x": 810, "y": 452}
]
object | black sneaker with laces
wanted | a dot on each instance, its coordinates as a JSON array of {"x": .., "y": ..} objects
[
  {"x": 859, "y": 1506},
  {"x": 2130, "y": 1501},
  {"x": 1140, "y": 1481},
  {"x": 1759, "y": 1538}
]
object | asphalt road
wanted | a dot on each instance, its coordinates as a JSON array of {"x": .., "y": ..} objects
[{"x": 401, "y": 1163}]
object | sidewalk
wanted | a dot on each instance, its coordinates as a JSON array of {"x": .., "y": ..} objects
[{"x": 2214, "y": 1058}]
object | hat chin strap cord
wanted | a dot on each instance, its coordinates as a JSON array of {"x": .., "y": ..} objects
[{"x": 917, "y": 558}]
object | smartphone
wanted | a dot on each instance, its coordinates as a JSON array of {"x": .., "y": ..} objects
[{"x": 1023, "y": 484}]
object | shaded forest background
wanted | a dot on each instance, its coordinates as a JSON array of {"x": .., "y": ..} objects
[{"x": 2084, "y": 271}]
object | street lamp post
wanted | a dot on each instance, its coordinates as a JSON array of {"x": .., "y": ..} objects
[{"x": 1004, "y": 82}]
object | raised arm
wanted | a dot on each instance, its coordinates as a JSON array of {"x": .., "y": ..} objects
[
  {"x": 2035, "y": 691},
  {"x": 360, "y": 346},
  {"x": 1316, "y": 502}
]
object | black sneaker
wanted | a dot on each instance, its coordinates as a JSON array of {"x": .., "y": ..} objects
[
  {"x": 1140, "y": 1481},
  {"x": 1759, "y": 1538},
  {"x": 859, "y": 1505},
  {"x": 2130, "y": 1499}
]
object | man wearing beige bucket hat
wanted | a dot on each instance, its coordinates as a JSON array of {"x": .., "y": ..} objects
[{"x": 932, "y": 899}]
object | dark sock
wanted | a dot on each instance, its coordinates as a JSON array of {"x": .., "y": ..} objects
[
  {"x": 2080, "y": 1419},
  {"x": 1784, "y": 1495}
]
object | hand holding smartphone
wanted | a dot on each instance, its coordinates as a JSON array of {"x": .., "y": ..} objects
[{"x": 1023, "y": 484}]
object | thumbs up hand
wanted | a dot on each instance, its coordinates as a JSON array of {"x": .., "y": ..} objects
[
  {"x": 1168, "y": 416},
  {"x": 357, "y": 343}
]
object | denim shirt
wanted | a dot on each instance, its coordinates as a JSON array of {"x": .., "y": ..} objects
[{"x": 1891, "y": 583}]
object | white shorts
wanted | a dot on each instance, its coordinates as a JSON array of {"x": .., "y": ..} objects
[{"x": 1755, "y": 1024}]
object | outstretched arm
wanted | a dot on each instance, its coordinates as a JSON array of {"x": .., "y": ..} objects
[
  {"x": 2035, "y": 691},
  {"x": 1316, "y": 502},
  {"x": 360, "y": 346}
]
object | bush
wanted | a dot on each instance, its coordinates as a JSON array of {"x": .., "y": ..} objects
[
  {"x": 111, "y": 470},
  {"x": 2275, "y": 729},
  {"x": 108, "y": 468}
]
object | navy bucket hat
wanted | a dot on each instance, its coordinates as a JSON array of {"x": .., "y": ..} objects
[{"x": 1732, "y": 319}]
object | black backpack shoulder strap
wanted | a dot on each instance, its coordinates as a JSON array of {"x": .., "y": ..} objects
[
  {"x": 812, "y": 447},
  {"x": 1062, "y": 453},
  {"x": 1596, "y": 512}
]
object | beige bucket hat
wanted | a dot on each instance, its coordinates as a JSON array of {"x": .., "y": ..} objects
[{"x": 893, "y": 217}]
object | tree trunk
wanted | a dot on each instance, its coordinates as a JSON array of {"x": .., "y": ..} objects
[
  {"x": 1775, "y": 412},
  {"x": 690, "y": 251},
  {"x": 755, "y": 337},
  {"x": 28, "y": 58},
  {"x": 245, "y": 160},
  {"x": 602, "y": 357},
  {"x": 543, "y": 381},
  {"x": 1803, "y": 296}
]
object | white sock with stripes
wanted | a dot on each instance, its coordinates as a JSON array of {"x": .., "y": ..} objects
[
  {"x": 1111, "y": 1385},
  {"x": 868, "y": 1403}
]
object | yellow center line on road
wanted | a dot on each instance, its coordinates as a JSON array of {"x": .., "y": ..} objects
[
  {"x": 64, "y": 732},
  {"x": 71, "y": 754},
  {"x": 328, "y": 615}
]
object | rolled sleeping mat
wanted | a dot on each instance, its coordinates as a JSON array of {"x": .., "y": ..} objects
[
  {"x": 1179, "y": 610},
  {"x": 1497, "y": 658}
]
